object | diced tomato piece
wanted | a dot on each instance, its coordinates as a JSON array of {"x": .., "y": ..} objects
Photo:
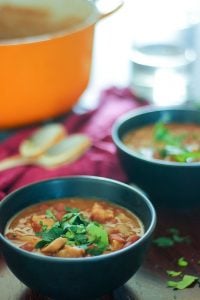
[
  {"x": 116, "y": 237},
  {"x": 59, "y": 206},
  {"x": 43, "y": 207},
  {"x": 59, "y": 215},
  {"x": 10, "y": 235},
  {"x": 114, "y": 230},
  {"x": 131, "y": 239},
  {"x": 36, "y": 227},
  {"x": 28, "y": 247}
]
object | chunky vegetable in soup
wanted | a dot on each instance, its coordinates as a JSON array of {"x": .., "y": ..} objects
[
  {"x": 74, "y": 227},
  {"x": 178, "y": 142}
]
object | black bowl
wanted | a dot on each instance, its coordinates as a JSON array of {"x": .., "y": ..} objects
[
  {"x": 168, "y": 184},
  {"x": 77, "y": 278}
]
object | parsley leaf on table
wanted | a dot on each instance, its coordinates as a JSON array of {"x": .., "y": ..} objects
[
  {"x": 173, "y": 273},
  {"x": 185, "y": 282},
  {"x": 182, "y": 262},
  {"x": 168, "y": 241},
  {"x": 163, "y": 242}
]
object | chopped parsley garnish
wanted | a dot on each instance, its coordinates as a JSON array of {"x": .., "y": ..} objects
[
  {"x": 172, "y": 145},
  {"x": 49, "y": 214},
  {"x": 44, "y": 227},
  {"x": 78, "y": 230},
  {"x": 163, "y": 134}
]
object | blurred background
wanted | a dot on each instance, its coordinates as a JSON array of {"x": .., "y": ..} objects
[{"x": 151, "y": 47}]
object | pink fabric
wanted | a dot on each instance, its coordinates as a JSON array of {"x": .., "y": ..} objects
[{"x": 100, "y": 160}]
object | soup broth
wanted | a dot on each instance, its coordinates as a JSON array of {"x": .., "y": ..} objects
[
  {"x": 172, "y": 142},
  {"x": 74, "y": 227}
]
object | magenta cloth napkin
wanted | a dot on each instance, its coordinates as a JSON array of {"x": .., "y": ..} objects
[{"x": 100, "y": 160}]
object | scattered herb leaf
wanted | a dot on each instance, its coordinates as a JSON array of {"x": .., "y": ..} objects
[
  {"x": 173, "y": 273},
  {"x": 168, "y": 241},
  {"x": 182, "y": 262},
  {"x": 186, "y": 281},
  {"x": 164, "y": 242},
  {"x": 177, "y": 237}
]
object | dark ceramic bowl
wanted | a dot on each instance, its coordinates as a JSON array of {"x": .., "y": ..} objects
[
  {"x": 77, "y": 278},
  {"x": 168, "y": 184}
]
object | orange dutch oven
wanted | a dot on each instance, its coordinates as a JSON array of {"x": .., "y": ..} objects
[{"x": 45, "y": 56}]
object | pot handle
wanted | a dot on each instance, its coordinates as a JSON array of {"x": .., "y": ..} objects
[{"x": 106, "y": 8}]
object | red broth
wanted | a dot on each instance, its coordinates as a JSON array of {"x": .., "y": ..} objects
[
  {"x": 172, "y": 142},
  {"x": 74, "y": 227}
]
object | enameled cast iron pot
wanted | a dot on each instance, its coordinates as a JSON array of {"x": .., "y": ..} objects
[
  {"x": 43, "y": 76},
  {"x": 77, "y": 278}
]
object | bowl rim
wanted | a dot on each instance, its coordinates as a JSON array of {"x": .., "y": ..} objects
[
  {"x": 143, "y": 238},
  {"x": 141, "y": 112}
]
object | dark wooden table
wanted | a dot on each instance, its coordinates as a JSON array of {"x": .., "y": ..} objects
[{"x": 149, "y": 283}]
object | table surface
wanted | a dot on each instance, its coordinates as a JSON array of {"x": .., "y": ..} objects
[{"x": 149, "y": 283}]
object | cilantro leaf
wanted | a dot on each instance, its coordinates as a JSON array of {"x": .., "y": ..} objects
[
  {"x": 182, "y": 262},
  {"x": 168, "y": 241},
  {"x": 187, "y": 156},
  {"x": 51, "y": 234},
  {"x": 72, "y": 210},
  {"x": 41, "y": 244},
  {"x": 186, "y": 281},
  {"x": 160, "y": 131},
  {"x": 95, "y": 250},
  {"x": 50, "y": 215},
  {"x": 177, "y": 237},
  {"x": 173, "y": 273},
  {"x": 164, "y": 242},
  {"x": 162, "y": 134},
  {"x": 172, "y": 284},
  {"x": 44, "y": 227},
  {"x": 99, "y": 236}
]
